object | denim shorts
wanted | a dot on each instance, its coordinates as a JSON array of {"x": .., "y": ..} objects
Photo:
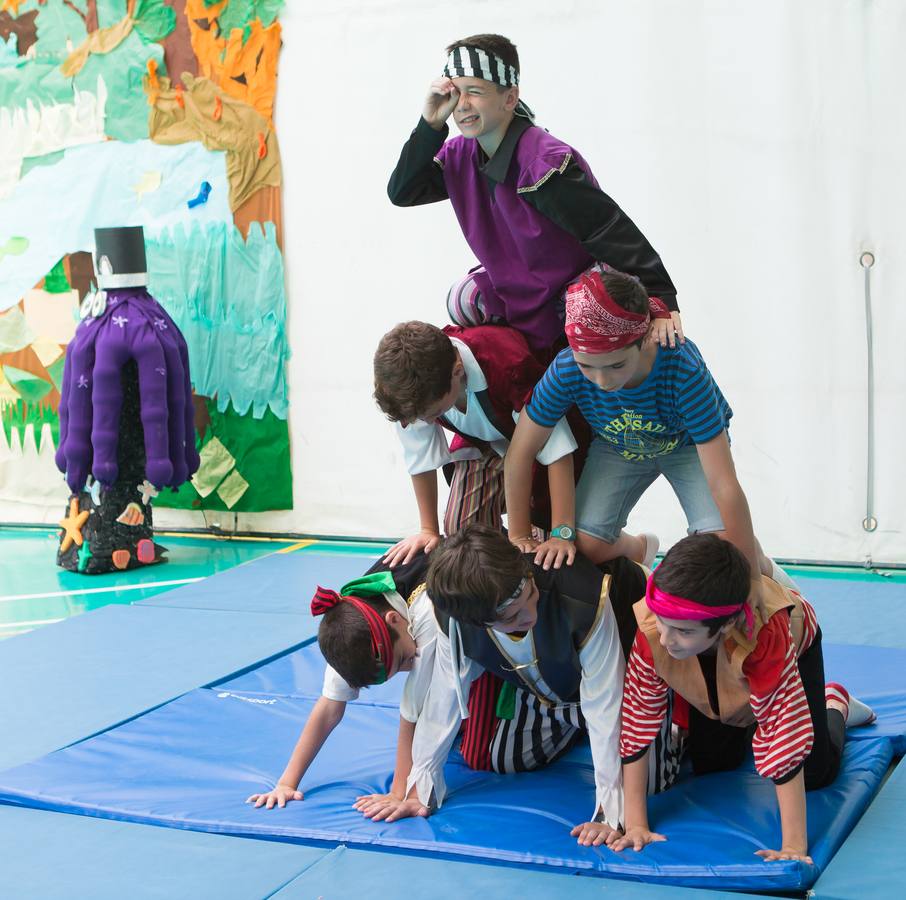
[{"x": 611, "y": 486}]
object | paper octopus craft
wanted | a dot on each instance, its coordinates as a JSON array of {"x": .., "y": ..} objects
[{"x": 129, "y": 325}]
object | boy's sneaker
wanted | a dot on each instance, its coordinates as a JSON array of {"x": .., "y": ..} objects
[
  {"x": 857, "y": 713},
  {"x": 651, "y": 547}
]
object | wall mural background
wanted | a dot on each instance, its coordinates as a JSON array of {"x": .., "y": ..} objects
[{"x": 156, "y": 113}]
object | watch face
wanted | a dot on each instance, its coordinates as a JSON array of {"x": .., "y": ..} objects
[{"x": 564, "y": 532}]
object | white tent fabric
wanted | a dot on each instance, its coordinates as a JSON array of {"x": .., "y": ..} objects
[{"x": 760, "y": 148}]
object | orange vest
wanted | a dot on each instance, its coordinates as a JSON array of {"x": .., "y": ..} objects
[{"x": 685, "y": 675}]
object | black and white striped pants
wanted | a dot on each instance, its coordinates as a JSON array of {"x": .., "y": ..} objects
[{"x": 538, "y": 734}]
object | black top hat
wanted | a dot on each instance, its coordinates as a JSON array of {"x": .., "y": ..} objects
[{"x": 120, "y": 257}]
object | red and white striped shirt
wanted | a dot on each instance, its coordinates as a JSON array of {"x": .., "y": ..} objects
[{"x": 784, "y": 734}]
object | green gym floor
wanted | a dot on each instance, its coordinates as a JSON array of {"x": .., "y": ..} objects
[{"x": 35, "y": 592}]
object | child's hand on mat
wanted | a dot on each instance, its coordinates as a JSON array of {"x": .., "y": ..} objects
[
  {"x": 393, "y": 809},
  {"x": 666, "y": 331},
  {"x": 369, "y": 804},
  {"x": 408, "y": 548},
  {"x": 635, "y": 837},
  {"x": 555, "y": 551},
  {"x": 440, "y": 102},
  {"x": 279, "y": 796},
  {"x": 593, "y": 834},
  {"x": 797, "y": 853}
]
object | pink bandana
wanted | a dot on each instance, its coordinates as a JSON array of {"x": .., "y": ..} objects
[
  {"x": 670, "y": 607},
  {"x": 596, "y": 323}
]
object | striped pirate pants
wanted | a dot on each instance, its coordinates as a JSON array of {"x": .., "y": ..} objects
[
  {"x": 476, "y": 493},
  {"x": 538, "y": 734}
]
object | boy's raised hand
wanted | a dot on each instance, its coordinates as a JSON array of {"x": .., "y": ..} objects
[
  {"x": 636, "y": 837},
  {"x": 440, "y": 102},
  {"x": 593, "y": 834},
  {"x": 279, "y": 796},
  {"x": 408, "y": 548}
]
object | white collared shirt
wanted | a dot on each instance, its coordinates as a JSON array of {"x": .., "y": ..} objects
[
  {"x": 425, "y": 445},
  {"x": 423, "y": 628},
  {"x": 600, "y": 696}
]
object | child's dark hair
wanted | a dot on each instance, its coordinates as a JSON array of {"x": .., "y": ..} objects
[
  {"x": 708, "y": 570},
  {"x": 345, "y": 642},
  {"x": 627, "y": 292},
  {"x": 473, "y": 572},
  {"x": 491, "y": 43},
  {"x": 413, "y": 368}
]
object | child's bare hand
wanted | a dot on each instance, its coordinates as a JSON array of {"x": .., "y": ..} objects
[
  {"x": 636, "y": 837},
  {"x": 795, "y": 853},
  {"x": 756, "y": 599},
  {"x": 554, "y": 552},
  {"x": 408, "y": 548},
  {"x": 667, "y": 331},
  {"x": 369, "y": 804},
  {"x": 279, "y": 796},
  {"x": 392, "y": 809},
  {"x": 440, "y": 102},
  {"x": 525, "y": 543},
  {"x": 593, "y": 834}
]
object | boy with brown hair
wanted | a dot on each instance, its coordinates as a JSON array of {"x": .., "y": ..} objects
[
  {"x": 653, "y": 411},
  {"x": 734, "y": 671},
  {"x": 472, "y": 382},
  {"x": 554, "y": 639},
  {"x": 528, "y": 204},
  {"x": 375, "y": 627}
]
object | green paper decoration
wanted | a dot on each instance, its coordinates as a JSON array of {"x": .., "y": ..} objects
[
  {"x": 29, "y": 387},
  {"x": 55, "y": 370},
  {"x": 56, "y": 282},
  {"x": 153, "y": 20}
]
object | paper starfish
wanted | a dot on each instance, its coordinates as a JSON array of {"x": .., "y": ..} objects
[
  {"x": 147, "y": 491},
  {"x": 84, "y": 556},
  {"x": 73, "y": 525}
]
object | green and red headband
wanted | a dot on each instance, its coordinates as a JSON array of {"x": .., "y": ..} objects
[{"x": 381, "y": 642}]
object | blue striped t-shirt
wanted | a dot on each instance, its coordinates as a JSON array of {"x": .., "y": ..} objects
[{"x": 678, "y": 404}]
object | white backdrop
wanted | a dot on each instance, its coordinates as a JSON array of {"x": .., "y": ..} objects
[{"x": 760, "y": 148}]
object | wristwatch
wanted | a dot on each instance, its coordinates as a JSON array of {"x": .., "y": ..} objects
[{"x": 564, "y": 532}]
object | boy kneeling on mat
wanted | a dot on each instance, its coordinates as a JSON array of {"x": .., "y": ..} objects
[
  {"x": 738, "y": 673},
  {"x": 552, "y": 637},
  {"x": 369, "y": 633}
]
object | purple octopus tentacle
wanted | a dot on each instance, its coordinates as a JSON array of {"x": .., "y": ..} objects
[
  {"x": 111, "y": 354},
  {"x": 152, "y": 388},
  {"x": 193, "y": 461},
  {"x": 77, "y": 450},
  {"x": 174, "y": 378},
  {"x": 63, "y": 411}
]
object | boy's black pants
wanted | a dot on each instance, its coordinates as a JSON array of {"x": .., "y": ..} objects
[{"x": 715, "y": 747}]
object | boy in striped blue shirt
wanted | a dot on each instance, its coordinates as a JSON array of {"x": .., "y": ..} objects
[{"x": 653, "y": 410}]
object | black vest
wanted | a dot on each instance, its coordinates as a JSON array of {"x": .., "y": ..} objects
[
  {"x": 407, "y": 577},
  {"x": 570, "y": 603}
]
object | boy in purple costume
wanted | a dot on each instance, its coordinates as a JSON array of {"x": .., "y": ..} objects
[{"x": 528, "y": 204}]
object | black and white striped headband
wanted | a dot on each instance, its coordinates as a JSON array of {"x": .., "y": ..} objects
[{"x": 472, "y": 62}]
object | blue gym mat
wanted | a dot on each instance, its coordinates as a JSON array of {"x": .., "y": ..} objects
[
  {"x": 201, "y": 755},
  {"x": 280, "y": 583},
  {"x": 869, "y": 863}
]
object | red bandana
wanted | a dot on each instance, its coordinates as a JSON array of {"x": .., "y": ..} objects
[
  {"x": 669, "y": 606},
  {"x": 596, "y": 323},
  {"x": 381, "y": 643}
]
